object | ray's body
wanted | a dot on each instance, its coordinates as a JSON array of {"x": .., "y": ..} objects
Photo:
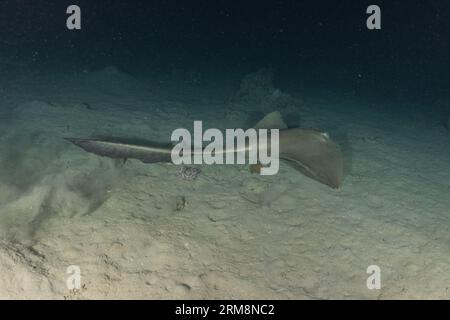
[{"x": 310, "y": 151}]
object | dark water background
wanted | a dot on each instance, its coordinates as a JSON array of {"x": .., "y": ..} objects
[{"x": 319, "y": 45}]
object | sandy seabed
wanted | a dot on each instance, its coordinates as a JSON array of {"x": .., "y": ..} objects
[{"x": 140, "y": 231}]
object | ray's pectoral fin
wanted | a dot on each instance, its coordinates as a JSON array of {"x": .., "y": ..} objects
[
  {"x": 273, "y": 120},
  {"x": 309, "y": 151},
  {"x": 314, "y": 154}
]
